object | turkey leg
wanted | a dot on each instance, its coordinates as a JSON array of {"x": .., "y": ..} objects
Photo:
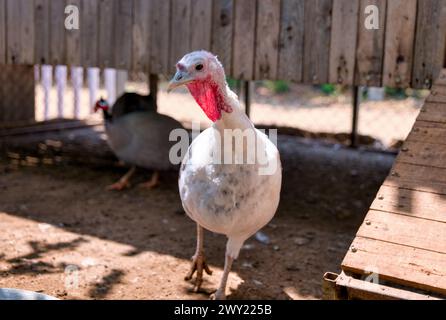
[
  {"x": 123, "y": 182},
  {"x": 220, "y": 294},
  {"x": 152, "y": 183},
  {"x": 198, "y": 262}
]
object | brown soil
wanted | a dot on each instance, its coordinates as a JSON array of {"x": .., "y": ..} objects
[{"x": 64, "y": 235}]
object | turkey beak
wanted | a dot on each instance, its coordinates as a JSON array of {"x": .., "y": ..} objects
[{"x": 180, "y": 78}]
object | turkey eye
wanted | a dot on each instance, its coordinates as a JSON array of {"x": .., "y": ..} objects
[{"x": 199, "y": 67}]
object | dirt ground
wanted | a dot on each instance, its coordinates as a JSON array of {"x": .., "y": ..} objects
[{"x": 64, "y": 235}]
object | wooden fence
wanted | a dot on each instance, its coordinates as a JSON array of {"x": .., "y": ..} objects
[{"x": 309, "y": 41}]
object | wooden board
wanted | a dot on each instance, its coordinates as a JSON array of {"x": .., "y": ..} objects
[
  {"x": 399, "y": 42},
  {"x": 365, "y": 290},
  {"x": 425, "y": 131},
  {"x": 343, "y": 41},
  {"x": 20, "y": 31},
  {"x": 57, "y": 32},
  {"x": 438, "y": 95},
  {"x": 2, "y": 31},
  {"x": 435, "y": 112},
  {"x": 422, "y": 153},
  {"x": 400, "y": 264},
  {"x": 42, "y": 31},
  {"x": 89, "y": 33},
  {"x": 123, "y": 34},
  {"x": 406, "y": 229},
  {"x": 430, "y": 33},
  {"x": 370, "y": 50},
  {"x": 201, "y": 20},
  {"x": 291, "y": 43},
  {"x": 73, "y": 38},
  {"x": 17, "y": 94},
  {"x": 403, "y": 237},
  {"x": 141, "y": 35},
  {"x": 317, "y": 40},
  {"x": 267, "y": 39},
  {"x": 160, "y": 39},
  {"x": 106, "y": 43},
  {"x": 244, "y": 39},
  {"x": 415, "y": 177},
  {"x": 411, "y": 203},
  {"x": 441, "y": 80},
  {"x": 222, "y": 26},
  {"x": 180, "y": 41}
]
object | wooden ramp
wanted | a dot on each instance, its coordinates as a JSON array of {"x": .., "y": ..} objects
[{"x": 400, "y": 249}]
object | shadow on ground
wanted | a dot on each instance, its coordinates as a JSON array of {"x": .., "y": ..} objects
[{"x": 140, "y": 241}]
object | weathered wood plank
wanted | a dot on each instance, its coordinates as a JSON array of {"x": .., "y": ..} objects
[
  {"x": 20, "y": 31},
  {"x": 222, "y": 26},
  {"x": 291, "y": 44},
  {"x": 57, "y": 32},
  {"x": 141, "y": 33},
  {"x": 438, "y": 94},
  {"x": 201, "y": 22},
  {"x": 106, "y": 42},
  {"x": 343, "y": 41},
  {"x": 17, "y": 94},
  {"x": 365, "y": 290},
  {"x": 180, "y": 35},
  {"x": 42, "y": 31},
  {"x": 411, "y": 176},
  {"x": 370, "y": 49},
  {"x": 441, "y": 79},
  {"x": 430, "y": 33},
  {"x": 405, "y": 229},
  {"x": 267, "y": 39},
  {"x": 399, "y": 42},
  {"x": 431, "y": 132},
  {"x": 90, "y": 33},
  {"x": 413, "y": 203},
  {"x": 420, "y": 178},
  {"x": 244, "y": 39},
  {"x": 433, "y": 112},
  {"x": 2, "y": 31},
  {"x": 400, "y": 264},
  {"x": 159, "y": 51},
  {"x": 73, "y": 38},
  {"x": 422, "y": 153},
  {"x": 317, "y": 40},
  {"x": 123, "y": 34}
]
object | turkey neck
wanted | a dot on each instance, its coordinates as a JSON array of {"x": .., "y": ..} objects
[{"x": 237, "y": 119}]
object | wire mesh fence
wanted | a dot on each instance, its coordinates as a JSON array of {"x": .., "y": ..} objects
[{"x": 385, "y": 116}]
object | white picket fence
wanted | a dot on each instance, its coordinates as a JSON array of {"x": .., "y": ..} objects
[{"x": 63, "y": 95}]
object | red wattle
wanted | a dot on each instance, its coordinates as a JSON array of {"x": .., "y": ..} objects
[{"x": 207, "y": 95}]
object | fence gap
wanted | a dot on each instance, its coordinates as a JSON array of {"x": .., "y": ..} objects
[
  {"x": 47, "y": 83},
  {"x": 61, "y": 80}
]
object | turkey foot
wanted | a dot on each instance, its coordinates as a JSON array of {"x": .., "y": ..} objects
[
  {"x": 198, "y": 264},
  {"x": 152, "y": 183},
  {"x": 118, "y": 186},
  {"x": 124, "y": 182}
]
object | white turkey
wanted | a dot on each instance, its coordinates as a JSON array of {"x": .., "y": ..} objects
[
  {"x": 217, "y": 192},
  {"x": 138, "y": 135}
]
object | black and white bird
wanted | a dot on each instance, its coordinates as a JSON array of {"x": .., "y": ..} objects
[
  {"x": 138, "y": 135},
  {"x": 227, "y": 197}
]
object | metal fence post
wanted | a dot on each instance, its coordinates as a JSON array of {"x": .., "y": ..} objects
[{"x": 355, "y": 114}]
